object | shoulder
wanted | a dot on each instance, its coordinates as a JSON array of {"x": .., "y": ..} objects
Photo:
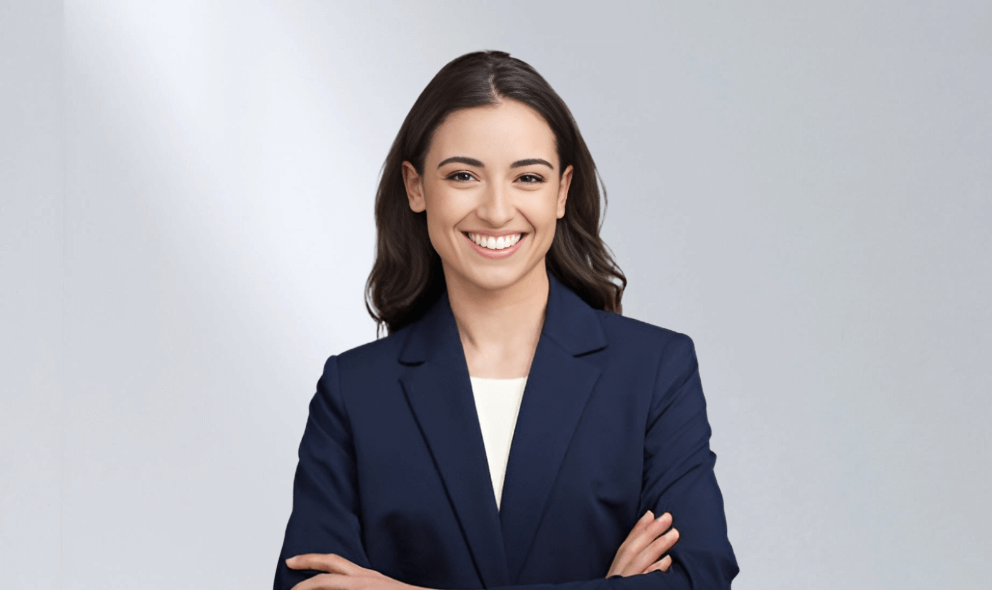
[
  {"x": 654, "y": 352},
  {"x": 663, "y": 356},
  {"x": 367, "y": 363},
  {"x": 625, "y": 332},
  {"x": 372, "y": 354}
]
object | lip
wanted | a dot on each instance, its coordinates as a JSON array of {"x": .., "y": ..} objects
[
  {"x": 494, "y": 234},
  {"x": 505, "y": 252}
]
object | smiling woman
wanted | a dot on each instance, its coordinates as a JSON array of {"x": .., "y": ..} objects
[
  {"x": 511, "y": 207},
  {"x": 512, "y": 430},
  {"x": 488, "y": 126}
]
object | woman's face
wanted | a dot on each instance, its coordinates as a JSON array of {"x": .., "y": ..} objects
[{"x": 491, "y": 177}]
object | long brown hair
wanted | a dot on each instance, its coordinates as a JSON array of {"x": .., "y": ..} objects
[{"x": 407, "y": 276}]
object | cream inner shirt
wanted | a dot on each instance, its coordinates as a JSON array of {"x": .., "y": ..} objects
[{"x": 497, "y": 402}]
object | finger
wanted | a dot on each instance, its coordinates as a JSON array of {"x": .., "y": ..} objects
[
  {"x": 632, "y": 557},
  {"x": 651, "y": 531},
  {"x": 327, "y": 582},
  {"x": 656, "y": 549},
  {"x": 662, "y": 564},
  {"x": 623, "y": 554},
  {"x": 642, "y": 523},
  {"x": 638, "y": 540},
  {"x": 325, "y": 562},
  {"x": 659, "y": 524}
]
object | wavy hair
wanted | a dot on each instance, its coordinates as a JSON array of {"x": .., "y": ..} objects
[{"x": 407, "y": 277}]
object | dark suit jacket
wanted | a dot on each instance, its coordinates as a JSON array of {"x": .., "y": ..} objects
[{"x": 393, "y": 474}]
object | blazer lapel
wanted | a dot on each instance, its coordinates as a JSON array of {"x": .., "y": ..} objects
[
  {"x": 558, "y": 387},
  {"x": 439, "y": 391}
]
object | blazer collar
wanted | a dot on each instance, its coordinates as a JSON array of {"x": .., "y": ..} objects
[
  {"x": 437, "y": 385},
  {"x": 569, "y": 321}
]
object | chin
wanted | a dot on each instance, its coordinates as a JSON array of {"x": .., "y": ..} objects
[{"x": 491, "y": 281}]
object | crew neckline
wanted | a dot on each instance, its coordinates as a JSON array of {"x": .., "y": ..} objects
[{"x": 499, "y": 379}]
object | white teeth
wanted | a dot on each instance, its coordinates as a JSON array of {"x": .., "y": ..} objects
[{"x": 495, "y": 243}]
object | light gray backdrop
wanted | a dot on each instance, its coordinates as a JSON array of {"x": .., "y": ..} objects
[{"x": 187, "y": 189}]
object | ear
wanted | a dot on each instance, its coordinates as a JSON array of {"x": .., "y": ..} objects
[
  {"x": 566, "y": 181},
  {"x": 414, "y": 188}
]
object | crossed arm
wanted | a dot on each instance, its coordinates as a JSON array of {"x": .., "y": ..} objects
[{"x": 678, "y": 480}]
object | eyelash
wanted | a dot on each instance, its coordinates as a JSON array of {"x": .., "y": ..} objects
[{"x": 538, "y": 180}]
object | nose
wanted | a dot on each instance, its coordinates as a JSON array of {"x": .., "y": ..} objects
[{"x": 496, "y": 206}]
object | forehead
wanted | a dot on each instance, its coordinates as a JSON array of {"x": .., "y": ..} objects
[{"x": 509, "y": 131}]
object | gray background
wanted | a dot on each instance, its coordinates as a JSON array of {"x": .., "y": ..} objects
[{"x": 186, "y": 225}]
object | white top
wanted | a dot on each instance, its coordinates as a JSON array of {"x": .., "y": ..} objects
[{"x": 497, "y": 402}]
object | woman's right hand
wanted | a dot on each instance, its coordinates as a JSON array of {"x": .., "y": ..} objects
[{"x": 641, "y": 550}]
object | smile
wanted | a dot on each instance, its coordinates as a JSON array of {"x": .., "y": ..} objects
[{"x": 491, "y": 247}]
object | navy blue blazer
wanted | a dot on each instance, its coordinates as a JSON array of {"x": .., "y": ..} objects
[{"x": 393, "y": 475}]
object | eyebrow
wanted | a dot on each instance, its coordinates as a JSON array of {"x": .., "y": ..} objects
[{"x": 474, "y": 162}]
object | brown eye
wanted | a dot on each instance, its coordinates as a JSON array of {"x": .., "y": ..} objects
[
  {"x": 535, "y": 179},
  {"x": 453, "y": 176}
]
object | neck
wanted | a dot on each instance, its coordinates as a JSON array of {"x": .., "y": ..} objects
[{"x": 500, "y": 328}]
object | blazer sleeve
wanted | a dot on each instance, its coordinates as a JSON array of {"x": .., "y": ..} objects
[
  {"x": 678, "y": 478},
  {"x": 325, "y": 490}
]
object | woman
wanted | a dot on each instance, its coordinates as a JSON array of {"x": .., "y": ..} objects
[{"x": 503, "y": 324}]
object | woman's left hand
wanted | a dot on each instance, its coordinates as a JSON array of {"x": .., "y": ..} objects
[{"x": 342, "y": 574}]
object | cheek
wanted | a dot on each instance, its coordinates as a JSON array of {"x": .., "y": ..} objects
[
  {"x": 441, "y": 227},
  {"x": 436, "y": 235},
  {"x": 543, "y": 214}
]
